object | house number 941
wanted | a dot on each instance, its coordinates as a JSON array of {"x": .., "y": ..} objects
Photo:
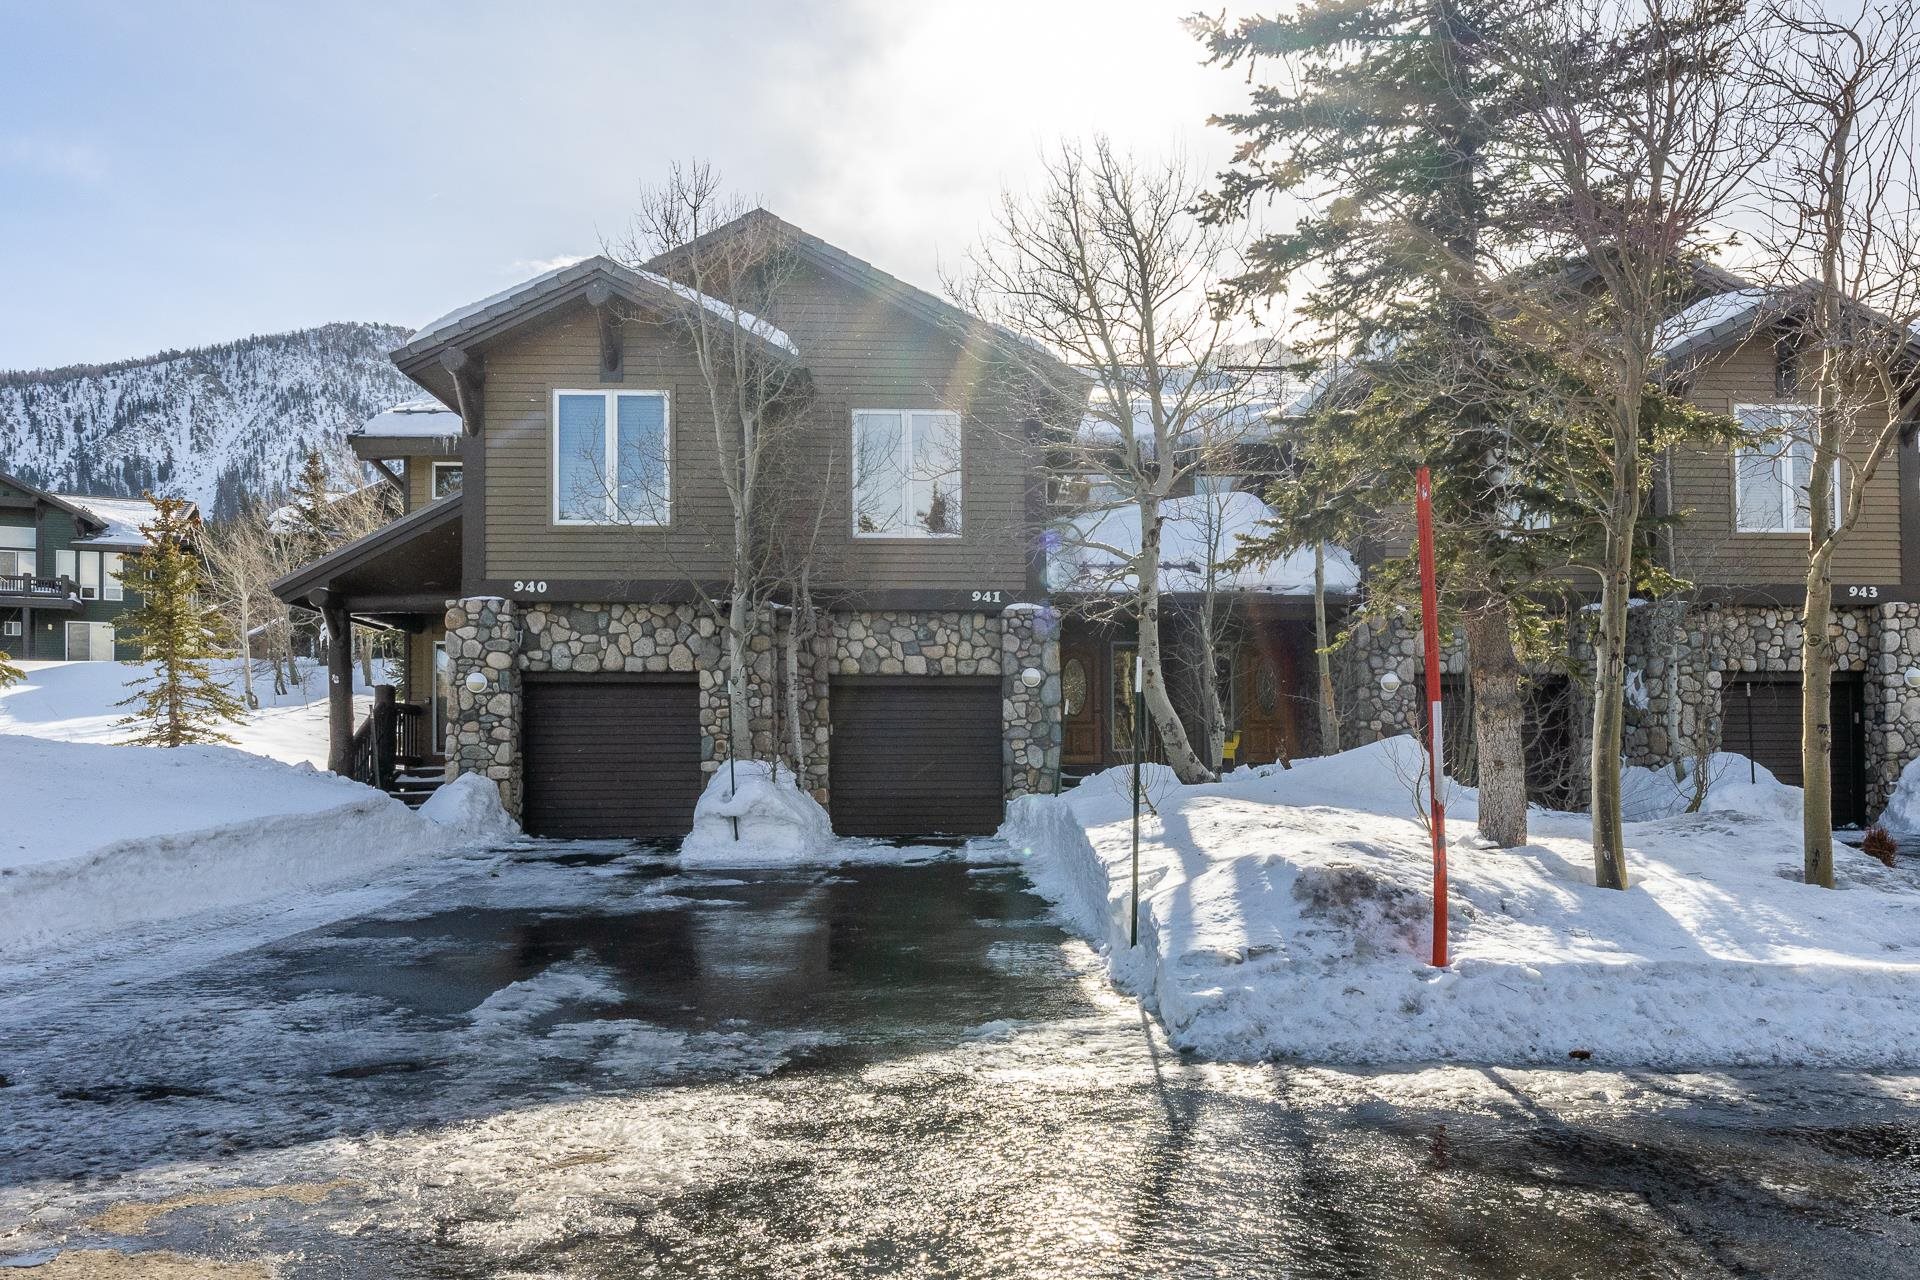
[
  {"x": 986, "y": 597},
  {"x": 538, "y": 588}
]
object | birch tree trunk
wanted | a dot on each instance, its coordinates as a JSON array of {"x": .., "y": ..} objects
[
  {"x": 1610, "y": 649},
  {"x": 1323, "y": 660},
  {"x": 1499, "y": 717},
  {"x": 1186, "y": 765},
  {"x": 790, "y": 659},
  {"x": 739, "y": 653},
  {"x": 1212, "y": 714}
]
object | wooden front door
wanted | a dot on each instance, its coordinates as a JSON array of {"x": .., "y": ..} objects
[
  {"x": 1080, "y": 704},
  {"x": 1267, "y": 705}
]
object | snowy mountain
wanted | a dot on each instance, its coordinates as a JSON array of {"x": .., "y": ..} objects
[{"x": 222, "y": 425}]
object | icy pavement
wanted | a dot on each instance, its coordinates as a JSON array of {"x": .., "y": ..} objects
[{"x": 582, "y": 1061}]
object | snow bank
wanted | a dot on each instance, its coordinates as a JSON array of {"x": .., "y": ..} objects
[
  {"x": 1286, "y": 913},
  {"x": 1735, "y": 784},
  {"x": 468, "y": 810},
  {"x": 777, "y": 822},
  {"x": 1902, "y": 813},
  {"x": 98, "y": 838}
]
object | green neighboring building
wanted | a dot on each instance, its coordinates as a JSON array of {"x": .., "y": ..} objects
[{"x": 60, "y": 557}]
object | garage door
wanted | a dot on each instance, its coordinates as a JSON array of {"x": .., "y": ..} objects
[
  {"x": 915, "y": 755},
  {"x": 1760, "y": 719},
  {"x": 608, "y": 757}
]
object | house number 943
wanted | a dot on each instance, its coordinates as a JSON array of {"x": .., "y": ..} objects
[
  {"x": 1863, "y": 593},
  {"x": 538, "y": 588}
]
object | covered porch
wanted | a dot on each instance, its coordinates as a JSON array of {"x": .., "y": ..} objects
[{"x": 397, "y": 579}]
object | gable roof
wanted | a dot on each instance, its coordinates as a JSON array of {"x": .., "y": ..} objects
[
  {"x": 514, "y": 306},
  {"x": 109, "y": 522},
  {"x": 834, "y": 261}
]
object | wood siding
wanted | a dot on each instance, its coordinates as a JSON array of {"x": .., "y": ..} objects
[
  {"x": 861, "y": 353},
  {"x": 1708, "y": 549}
]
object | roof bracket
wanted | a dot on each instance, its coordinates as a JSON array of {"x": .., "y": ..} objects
[
  {"x": 613, "y": 354},
  {"x": 465, "y": 370}
]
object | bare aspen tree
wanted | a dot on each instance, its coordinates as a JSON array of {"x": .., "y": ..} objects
[
  {"x": 1106, "y": 267},
  {"x": 1645, "y": 138},
  {"x": 719, "y": 273},
  {"x": 1844, "y": 194},
  {"x": 241, "y": 567}
]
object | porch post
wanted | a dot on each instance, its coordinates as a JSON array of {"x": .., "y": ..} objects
[
  {"x": 383, "y": 735},
  {"x": 339, "y": 687}
]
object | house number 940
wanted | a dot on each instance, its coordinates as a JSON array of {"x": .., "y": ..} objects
[{"x": 538, "y": 588}]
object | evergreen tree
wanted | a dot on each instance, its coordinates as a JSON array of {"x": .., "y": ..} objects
[
  {"x": 1394, "y": 127},
  {"x": 180, "y": 702},
  {"x": 311, "y": 500},
  {"x": 9, "y": 674}
]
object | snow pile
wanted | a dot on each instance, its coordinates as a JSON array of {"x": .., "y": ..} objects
[
  {"x": 776, "y": 822},
  {"x": 468, "y": 810},
  {"x": 1287, "y": 913},
  {"x": 1735, "y": 784},
  {"x": 99, "y": 838},
  {"x": 1903, "y": 806}
]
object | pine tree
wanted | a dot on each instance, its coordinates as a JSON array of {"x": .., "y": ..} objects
[
  {"x": 180, "y": 702},
  {"x": 9, "y": 674},
  {"x": 312, "y": 500},
  {"x": 1393, "y": 129}
]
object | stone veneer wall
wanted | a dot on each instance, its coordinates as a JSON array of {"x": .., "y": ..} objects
[
  {"x": 1893, "y": 709},
  {"x": 1031, "y": 717},
  {"x": 1367, "y": 713},
  {"x": 483, "y": 729},
  {"x": 664, "y": 638}
]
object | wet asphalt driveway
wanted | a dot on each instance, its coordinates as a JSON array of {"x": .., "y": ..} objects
[{"x": 582, "y": 1061}]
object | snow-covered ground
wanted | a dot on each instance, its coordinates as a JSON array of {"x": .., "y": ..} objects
[
  {"x": 101, "y": 838},
  {"x": 1286, "y": 912},
  {"x": 74, "y": 702}
]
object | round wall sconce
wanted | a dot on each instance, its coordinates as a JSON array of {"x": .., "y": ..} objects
[
  {"x": 476, "y": 682},
  {"x": 1031, "y": 677},
  {"x": 1912, "y": 676},
  {"x": 1390, "y": 682}
]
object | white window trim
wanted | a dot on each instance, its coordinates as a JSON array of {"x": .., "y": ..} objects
[
  {"x": 433, "y": 474},
  {"x": 910, "y": 533},
  {"x": 1788, "y": 501},
  {"x": 611, "y": 427},
  {"x": 11, "y": 627}
]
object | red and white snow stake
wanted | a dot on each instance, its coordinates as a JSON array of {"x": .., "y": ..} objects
[{"x": 1430, "y": 625}]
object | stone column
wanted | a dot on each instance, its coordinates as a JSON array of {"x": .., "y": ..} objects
[
  {"x": 1893, "y": 710},
  {"x": 1030, "y": 725},
  {"x": 483, "y": 728}
]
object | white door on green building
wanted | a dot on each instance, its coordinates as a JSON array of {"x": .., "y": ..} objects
[{"x": 89, "y": 642}]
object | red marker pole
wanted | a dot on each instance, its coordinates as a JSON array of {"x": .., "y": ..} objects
[{"x": 1430, "y": 625}]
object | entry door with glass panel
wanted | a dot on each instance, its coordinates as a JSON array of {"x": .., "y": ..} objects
[
  {"x": 89, "y": 642},
  {"x": 441, "y": 670}
]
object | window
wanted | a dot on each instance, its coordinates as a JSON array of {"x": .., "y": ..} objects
[
  {"x": 1771, "y": 478},
  {"x": 446, "y": 479},
  {"x": 906, "y": 474},
  {"x": 10, "y": 628},
  {"x": 110, "y": 588},
  {"x": 13, "y": 562},
  {"x": 97, "y": 572},
  {"x": 89, "y": 642},
  {"x": 611, "y": 462},
  {"x": 442, "y": 680},
  {"x": 17, "y": 554}
]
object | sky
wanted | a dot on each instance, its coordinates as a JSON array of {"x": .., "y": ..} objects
[{"x": 175, "y": 174}]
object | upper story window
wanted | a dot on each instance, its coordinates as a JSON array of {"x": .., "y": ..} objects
[
  {"x": 611, "y": 458},
  {"x": 446, "y": 479},
  {"x": 906, "y": 473},
  {"x": 17, "y": 549},
  {"x": 1771, "y": 478},
  {"x": 96, "y": 572}
]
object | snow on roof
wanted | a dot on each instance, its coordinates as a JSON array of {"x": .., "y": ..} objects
[
  {"x": 1250, "y": 411},
  {"x": 122, "y": 516},
  {"x": 1712, "y": 317},
  {"x": 1093, "y": 550},
  {"x": 425, "y": 417},
  {"x": 446, "y": 325}
]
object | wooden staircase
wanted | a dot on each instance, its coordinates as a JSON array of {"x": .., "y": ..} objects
[{"x": 390, "y": 750}]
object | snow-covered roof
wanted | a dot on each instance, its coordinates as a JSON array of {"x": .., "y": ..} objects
[
  {"x": 1091, "y": 553},
  {"x": 425, "y": 417},
  {"x": 446, "y": 326},
  {"x": 1249, "y": 409},
  {"x": 1716, "y": 316},
  {"x": 122, "y": 516}
]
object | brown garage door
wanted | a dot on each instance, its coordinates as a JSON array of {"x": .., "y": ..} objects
[
  {"x": 611, "y": 757},
  {"x": 1760, "y": 719},
  {"x": 915, "y": 755}
]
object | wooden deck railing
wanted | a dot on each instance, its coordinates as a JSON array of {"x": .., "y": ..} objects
[
  {"x": 392, "y": 736},
  {"x": 35, "y": 584}
]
